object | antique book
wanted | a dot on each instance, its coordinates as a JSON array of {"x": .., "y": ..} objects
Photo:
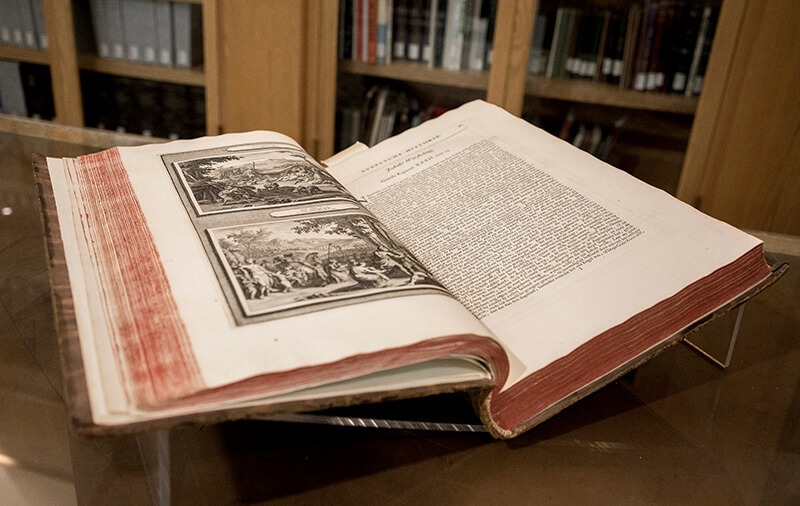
[{"x": 234, "y": 276}]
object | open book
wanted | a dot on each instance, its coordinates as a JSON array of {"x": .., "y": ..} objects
[{"x": 234, "y": 276}]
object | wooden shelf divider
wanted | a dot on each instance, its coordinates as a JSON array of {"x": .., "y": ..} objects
[
  {"x": 125, "y": 68},
  {"x": 610, "y": 95},
  {"x": 418, "y": 73},
  {"x": 21, "y": 54}
]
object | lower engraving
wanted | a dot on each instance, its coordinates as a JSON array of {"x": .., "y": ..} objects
[{"x": 279, "y": 265}]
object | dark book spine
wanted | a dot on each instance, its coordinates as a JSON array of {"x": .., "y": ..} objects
[
  {"x": 438, "y": 30},
  {"x": 38, "y": 88},
  {"x": 696, "y": 85},
  {"x": 654, "y": 77},
  {"x": 631, "y": 46},
  {"x": 646, "y": 33},
  {"x": 400, "y": 29},
  {"x": 602, "y": 45},
  {"x": 346, "y": 29},
  {"x": 689, "y": 19},
  {"x": 416, "y": 30}
]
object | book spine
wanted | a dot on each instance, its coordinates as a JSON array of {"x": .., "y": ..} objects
[
  {"x": 646, "y": 33},
  {"x": 589, "y": 63},
  {"x": 41, "y": 27},
  {"x": 430, "y": 33},
  {"x": 38, "y": 90},
  {"x": 655, "y": 76},
  {"x": 164, "y": 43},
  {"x": 5, "y": 23},
  {"x": 439, "y": 33},
  {"x": 100, "y": 28},
  {"x": 631, "y": 46},
  {"x": 451, "y": 59},
  {"x": 689, "y": 28},
  {"x": 480, "y": 28},
  {"x": 696, "y": 83},
  {"x": 382, "y": 32},
  {"x": 12, "y": 94},
  {"x": 602, "y": 46},
  {"x": 617, "y": 63},
  {"x": 27, "y": 25},
  {"x": 187, "y": 34},
  {"x": 364, "y": 31},
  {"x": 416, "y": 24},
  {"x": 12, "y": 33},
  {"x": 372, "y": 31},
  {"x": 400, "y": 29},
  {"x": 426, "y": 50},
  {"x": 116, "y": 29},
  {"x": 698, "y": 49},
  {"x": 466, "y": 33},
  {"x": 346, "y": 45}
]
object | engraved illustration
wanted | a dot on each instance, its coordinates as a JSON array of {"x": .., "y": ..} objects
[
  {"x": 284, "y": 264},
  {"x": 270, "y": 175}
]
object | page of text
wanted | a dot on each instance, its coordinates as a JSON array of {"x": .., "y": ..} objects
[{"x": 544, "y": 243}]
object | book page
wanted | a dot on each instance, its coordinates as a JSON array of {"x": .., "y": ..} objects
[
  {"x": 544, "y": 243},
  {"x": 270, "y": 264}
]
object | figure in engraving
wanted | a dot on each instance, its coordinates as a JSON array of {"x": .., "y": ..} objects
[{"x": 282, "y": 264}]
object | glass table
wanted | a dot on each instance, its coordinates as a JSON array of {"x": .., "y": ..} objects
[{"x": 679, "y": 429}]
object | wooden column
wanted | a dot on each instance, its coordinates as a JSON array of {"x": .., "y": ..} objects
[
  {"x": 260, "y": 66},
  {"x": 743, "y": 161},
  {"x": 63, "y": 62},
  {"x": 211, "y": 66},
  {"x": 322, "y": 39},
  {"x": 511, "y": 47}
]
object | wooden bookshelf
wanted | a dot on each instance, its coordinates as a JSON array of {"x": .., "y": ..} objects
[{"x": 273, "y": 65}]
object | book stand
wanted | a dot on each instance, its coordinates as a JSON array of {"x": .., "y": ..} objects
[
  {"x": 154, "y": 452},
  {"x": 731, "y": 343},
  {"x": 154, "y": 446}
]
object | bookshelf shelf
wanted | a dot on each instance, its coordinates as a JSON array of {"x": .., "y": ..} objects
[
  {"x": 418, "y": 73},
  {"x": 192, "y": 77},
  {"x": 610, "y": 95},
  {"x": 41, "y": 57}
]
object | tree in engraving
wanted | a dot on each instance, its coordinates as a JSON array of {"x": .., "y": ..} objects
[
  {"x": 250, "y": 243},
  {"x": 356, "y": 227}
]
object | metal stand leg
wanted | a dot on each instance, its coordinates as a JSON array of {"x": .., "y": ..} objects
[
  {"x": 154, "y": 451},
  {"x": 730, "y": 346}
]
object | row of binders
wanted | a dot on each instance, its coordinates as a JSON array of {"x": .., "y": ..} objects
[
  {"x": 148, "y": 31},
  {"x": 141, "y": 106},
  {"x": 22, "y": 24},
  {"x": 657, "y": 45},
  {"x": 449, "y": 34}
]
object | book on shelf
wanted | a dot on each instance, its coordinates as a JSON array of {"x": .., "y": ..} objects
[
  {"x": 140, "y": 30},
  {"x": 234, "y": 276},
  {"x": 22, "y": 24},
  {"x": 654, "y": 45},
  {"x": 164, "y": 41},
  {"x": 12, "y": 91},
  {"x": 142, "y": 106},
  {"x": 147, "y": 31},
  {"x": 702, "y": 51},
  {"x": 26, "y": 90},
  {"x": 450, "y": 34}
]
